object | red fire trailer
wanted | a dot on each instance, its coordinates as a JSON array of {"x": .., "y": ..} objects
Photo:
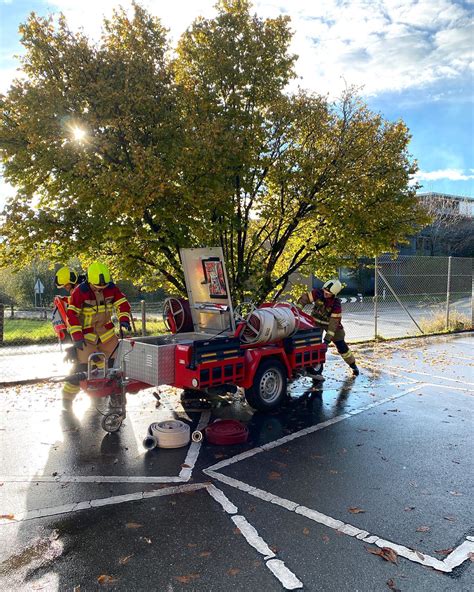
[{"x": 212, "y": 349}]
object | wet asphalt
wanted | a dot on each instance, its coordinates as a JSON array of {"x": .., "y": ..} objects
[{"x": 388, "y": 453}]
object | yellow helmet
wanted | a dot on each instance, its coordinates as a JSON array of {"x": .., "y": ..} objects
[
  {"x": 98, "y": 274},
  {"x": 333, "y": 286},
  {"x": 65, "y": 276}
]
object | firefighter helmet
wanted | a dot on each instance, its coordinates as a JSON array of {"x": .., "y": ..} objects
[
  {"x": 65, "y": 276},
  {"x": 98, "y": 274},
  {"x": 333, "y": 286}
]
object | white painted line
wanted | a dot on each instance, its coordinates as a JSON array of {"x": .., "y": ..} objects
[
  {"x": 194, "y": 448},
  {"x": 448, "y": 386},
  {"x": 83, "y": 479},
  {"x": 456, "y": 380},
  {"x": 415, "y": 556},
  {"x": 252, "y": 537},
  {"x": 306, "y": 431},
  {"x": 222, "y": 499},
  {"x": 278, "y": 568},
  {"x": 87, "y": 505},
  {"x": 287, "y": 578},
  {"x": 458, "y": 556}
]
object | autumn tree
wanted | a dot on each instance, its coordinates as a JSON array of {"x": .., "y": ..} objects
[{"x": 125, "y": 151}]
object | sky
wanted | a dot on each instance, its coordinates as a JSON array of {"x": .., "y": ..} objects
[{"x": 412, "y": 59}]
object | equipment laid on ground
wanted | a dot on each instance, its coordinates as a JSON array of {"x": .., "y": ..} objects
[
  {"x": 226, "y": 431},
  {"x": 212, "y": 351}
]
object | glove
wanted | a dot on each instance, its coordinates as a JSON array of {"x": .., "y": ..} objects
[
  {"x": 80, "y": 344},
  {"x": 125, "y": 325},
  {"x": 327, "y": 341},
  {"x": 70, "y": 354}
]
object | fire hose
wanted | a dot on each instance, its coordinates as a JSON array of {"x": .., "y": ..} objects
[
  {"x": 170, "y": 433},
  {"x": 264, "y": 325}
]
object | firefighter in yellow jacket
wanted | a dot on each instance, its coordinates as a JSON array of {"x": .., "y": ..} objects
[
  {"x": 327, "y": 312},
  {"x": 89, "y": 314}
]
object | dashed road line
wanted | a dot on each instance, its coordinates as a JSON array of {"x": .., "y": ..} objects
[
  {"x": 454, "y": 559},
  {"x": 278, "y": 568}
]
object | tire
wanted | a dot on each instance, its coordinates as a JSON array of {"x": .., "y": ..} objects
[
  {"x": 111, "y": 422},
  {"x": 268, "y": 390}
]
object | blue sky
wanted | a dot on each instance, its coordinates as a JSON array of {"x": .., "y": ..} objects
[{"x": 412, "y": 58}]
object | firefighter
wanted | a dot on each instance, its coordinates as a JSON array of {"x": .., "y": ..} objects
[
  {"x": 66, "y": 279},
  {"x": 89, "y": 314},
  {"x": 327, "y": 312}
]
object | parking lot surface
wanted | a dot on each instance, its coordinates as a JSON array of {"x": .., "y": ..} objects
[{"x": 357, "y": 484}]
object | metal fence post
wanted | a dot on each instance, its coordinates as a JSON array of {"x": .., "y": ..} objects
[
  {"x": 143, "y": 309},
  {"x": 2, "y": 315},
  {"x": 448, "y": 293},
  {"x": 376, "y": 294}
]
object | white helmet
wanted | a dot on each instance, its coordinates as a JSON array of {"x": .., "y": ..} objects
[{"x": 333, "y": 286}]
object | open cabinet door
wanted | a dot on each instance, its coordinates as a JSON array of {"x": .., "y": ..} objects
[{"x": 208, "y": 290}]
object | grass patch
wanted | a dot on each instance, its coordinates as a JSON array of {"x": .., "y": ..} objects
[{"x": 436, "y": 323}]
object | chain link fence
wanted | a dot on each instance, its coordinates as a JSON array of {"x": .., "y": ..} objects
[{"x": 383, "y": 299}]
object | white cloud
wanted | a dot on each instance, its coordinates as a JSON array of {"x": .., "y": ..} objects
[
  {"x": 379, "y": 44},
  {"x": 444, "y": 174}
]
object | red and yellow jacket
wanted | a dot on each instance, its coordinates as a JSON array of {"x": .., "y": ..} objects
[
  {"x": 89, "y": 312},
  {"x": 327, "y": 312}
]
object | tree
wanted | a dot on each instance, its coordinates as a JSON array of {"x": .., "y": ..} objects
[{"x": 197, "y": 149}]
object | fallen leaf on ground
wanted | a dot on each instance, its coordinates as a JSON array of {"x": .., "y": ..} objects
[
  {"x": 187, "y": 579},
  {"x": 7, "y": 516},
  {"x": 450, "y": 518},
  {"x": 356, "y": 510},
  {"x": 444, "y": 551},
  {"x": 204, "y": 554},
  {"x": 419, "y": 555},
  {"x": 233, "y": 571},
  {"x": 104, "y": 579},
  {"x": 133, "y": 525},
  {"x": 409, "y": 508},
  {"x": 325, "y": 538},
  {"x": 305, "y": 530},
  {"x": 274, "y": 475},
  {"x": 471, "y": 556},
  {"x": 185, "y": 466},
  {"x": 391, "y": 585},
  {"x": 124, "y": 560},
  {"x": 146, "y": 539},
  {"x": 190, "y": 545},
  {"x": 385, "y": 552},
  {"x": 423, "y": 529},
  {"x": 237, "y": 531}
]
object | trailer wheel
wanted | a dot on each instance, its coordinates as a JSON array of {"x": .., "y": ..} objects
[
  {"x": 269, "y": 386},
  {"x": 111, "y": 422}
]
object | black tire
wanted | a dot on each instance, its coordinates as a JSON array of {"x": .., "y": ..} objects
[{"x": 268, "y": 390}]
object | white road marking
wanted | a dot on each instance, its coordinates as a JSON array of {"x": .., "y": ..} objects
[
  {"x": 278, "y": 568},
  {"x": 418, "y": 372},
  {"x": 454, "y": 559},
  {"x": 306, "y": 431},
  {"x": 83, "y": 479},
  {"x": 194, "y": 448},
  {"x": 448, "y": 386},
  {"x": 96, "y": 503}
]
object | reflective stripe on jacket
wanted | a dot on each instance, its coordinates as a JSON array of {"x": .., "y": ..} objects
[
  {"x": 327, "y": 312},
  {"x": 90, "y": 312}
]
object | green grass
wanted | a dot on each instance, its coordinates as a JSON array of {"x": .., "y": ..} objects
[{"x": 36, "y": 331}]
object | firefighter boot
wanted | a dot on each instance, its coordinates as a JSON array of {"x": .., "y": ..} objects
[
  {"x": 316, "y": 374},
  {"x": 355, "y": 370}
]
